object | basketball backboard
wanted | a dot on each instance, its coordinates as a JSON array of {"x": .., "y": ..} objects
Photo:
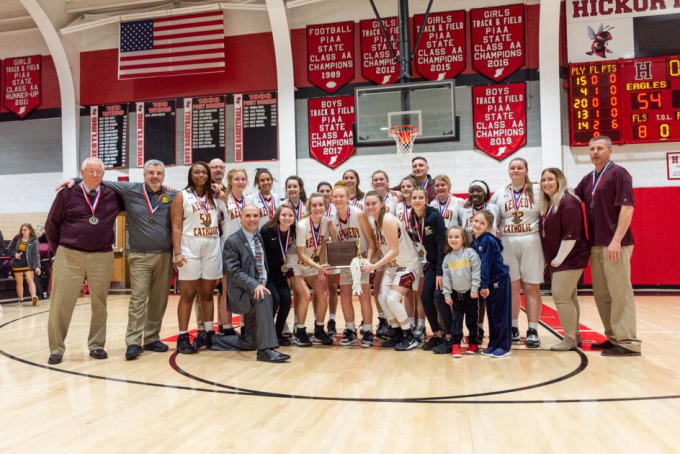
[{"x": 428, "y": 105}]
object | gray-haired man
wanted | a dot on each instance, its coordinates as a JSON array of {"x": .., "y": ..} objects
[{"x": 150, "y": 256}]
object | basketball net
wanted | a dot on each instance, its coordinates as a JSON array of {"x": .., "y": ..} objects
[{"x": 404, "y": 136}]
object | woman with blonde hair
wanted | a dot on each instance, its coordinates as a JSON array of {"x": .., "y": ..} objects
[
  {"x": 565, "y": 248},
  {"x": 25, "y": 253}
]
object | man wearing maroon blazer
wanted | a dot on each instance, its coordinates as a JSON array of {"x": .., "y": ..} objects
[{"x": 80, "y": 231}]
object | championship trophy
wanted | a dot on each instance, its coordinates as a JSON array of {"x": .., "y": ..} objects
[{"x": 347, "y": 254}]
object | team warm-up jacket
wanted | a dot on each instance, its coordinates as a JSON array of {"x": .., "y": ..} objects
[
  {"x": 489, "y": 249},
  {"x": 434, "y": 237}
]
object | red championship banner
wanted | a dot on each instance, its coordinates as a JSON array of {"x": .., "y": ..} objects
[
  {"x": 500, "y": 118},
  {"x": 22, "y": 84},
  {"x": 331, "y": 140},
  {"x": 441, "y": 52},
  {"x": 377, "y": 62},
  {"x": 330, "y": 55},
  {"x": 498, "y": 45}
]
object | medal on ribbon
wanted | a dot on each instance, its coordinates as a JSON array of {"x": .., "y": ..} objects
[
  {"x": 268, "y": 204},
  {"x": 240, "y": 204},
  {"x": 407, "y": 218},
  {"x": 316, "y": 232},
  {"x": 93, "y": 205},
  {"x": 152, "y": 209},
  {"x": 341, "y": 232},
  {"x": 596, "y": 181},
  {"x": 444, "y": 207},
  {"x": 204, "y": 206},
  {"x": 516, "y": 200},
  {"x": 420, "y": 229},
  {"x": 284, "y": 250},
  {"x": 545, "y": 216}
]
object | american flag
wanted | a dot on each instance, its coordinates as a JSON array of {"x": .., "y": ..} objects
[{"x": 171, "y": 46}]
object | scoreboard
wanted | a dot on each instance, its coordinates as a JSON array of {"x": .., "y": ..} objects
[
  {"x": 595, "y": 101},
  {"x": 631, "y": 101}
]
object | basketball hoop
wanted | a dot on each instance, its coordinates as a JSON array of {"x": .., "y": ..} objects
[{"x": 404, "y": 136}]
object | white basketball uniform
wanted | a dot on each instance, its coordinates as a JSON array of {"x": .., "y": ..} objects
[
  {"x": 390, "y": 203},
  {"x": 402, "y": 211},
  {"x": 448, "y": 210},
  {"x": 300, "y": 209},
  {"x": 350, "y": 230},
  {"x": 305, "y": 238},
  {"x": 266, "y": 205},
  {"x": 406, "y": 269},
  {"x": 519, "y": 216},
  {"x": 200, "y": 238},
  {"x": 231, "y": 221},
  {"x": 330, "y": 212},
  {"x": 466, "y": 214}
]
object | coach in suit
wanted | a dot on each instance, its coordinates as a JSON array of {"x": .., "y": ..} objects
[{"x": 246, "y": 268}]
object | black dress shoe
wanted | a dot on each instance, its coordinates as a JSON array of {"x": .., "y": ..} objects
[
  {"x": 270, "y": 355},
  {"x": 620, "y": 351},
  {"x": 606, "y": 345},
  {"x": 99, "y": 353},
  {"x": 133, "y": 351},
  {"x": 156, "y": 346},
  {"x": 54, "y": 359}
]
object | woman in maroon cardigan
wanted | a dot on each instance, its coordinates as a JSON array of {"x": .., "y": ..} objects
[{"x": 565, "y": 249}]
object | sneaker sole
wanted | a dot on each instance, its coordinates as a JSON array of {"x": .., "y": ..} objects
[
  {"x": 366, "y": 345},
  {"x": 349, "y": 344},
  {"x": 300, "y": 344},
  {"x": 486, "y": 354},
  {"x": 502, "y": 356},
  {"x": 470, "y": 353},
  {"x": 457, "y": 356},
  {"x": 532, "y": 345}
]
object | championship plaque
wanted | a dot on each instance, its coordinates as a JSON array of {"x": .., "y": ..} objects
[{"x": 340, "y": 255}]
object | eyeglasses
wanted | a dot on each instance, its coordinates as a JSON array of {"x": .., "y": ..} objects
[
  {"x": 94, "y": 173},
  {"x": 218, "y": 167}
]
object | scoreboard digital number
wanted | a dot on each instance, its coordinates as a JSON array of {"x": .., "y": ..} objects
[
  {"x": 651, "y": 99},
  {"x": 595, "y": 102},
  {"x": 631, "y": 101}
]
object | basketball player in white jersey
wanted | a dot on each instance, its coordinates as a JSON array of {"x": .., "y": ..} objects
[
  {"x": 264, "y": 199},
  {"x": 350, "y": 223},
  {"x": 333, "y": 274},
  {"x": 478, "y": 200},
  {"x": 311, "y": 237},
  {"x": 356, "y": 195},
  {"x": 402, "y": 269},
  {"x": 195, "y": 238},
  {"x": 446, "y": 203},
  {"x": 296, "y": 196},
  {"x": 522, "y": 250}
]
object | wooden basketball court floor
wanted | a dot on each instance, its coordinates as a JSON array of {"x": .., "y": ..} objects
[{"x": 337, "y": 399}]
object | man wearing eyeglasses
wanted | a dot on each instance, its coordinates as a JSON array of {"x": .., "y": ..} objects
[{"x": 79, "y": 229}]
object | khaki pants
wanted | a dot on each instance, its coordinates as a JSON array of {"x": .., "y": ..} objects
[
  {"x": 563, "y": 286},
  {"x": 614, "y": 296},
  {"x": 71, "y": 267},
  {"x": 150, "y": 276}
]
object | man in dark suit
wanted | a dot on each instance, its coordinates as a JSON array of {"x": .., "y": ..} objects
[{"x": 246, "y": 268}]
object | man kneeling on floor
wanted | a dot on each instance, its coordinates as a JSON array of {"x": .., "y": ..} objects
[{"x": 246, "y": 268}]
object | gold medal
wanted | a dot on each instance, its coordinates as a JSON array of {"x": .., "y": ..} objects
[
  {"x": 592, "y": 204},
  {"x": 94, "y": 220},
  {"x": 206, "y": 223},
  {"x": 421, "y": 253},
  {"x": 284, "y": 269},
  {"x": 152, "y": 221},
  {"x": 316, "y": 259},
  {"x": 517, "y": 219}
]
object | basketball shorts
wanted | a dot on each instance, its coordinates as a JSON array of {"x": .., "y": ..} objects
[
  {"x": 523, "y": 254},
  {"x": 204, "y": 259},
  {"x": 401, "y": 277}
]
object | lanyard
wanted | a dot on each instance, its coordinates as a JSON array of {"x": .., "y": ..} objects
[
  {"x": 149, "y": 205},
  {"x": 92, "y": 205},
  {"x": 474, "y": 213},
  {"x": 420, "y": 229},
  {"x": 204, "y": 204},
  {"x": 315, "y": 233},
  {"x": 269, "y": 204},
  {"x": 284, "y": 250},
  {"x": 517, "y": 197},
  {"x": 328, "y": 210},
  {"x": 240, "y": 204},
  {"x": 406, "y": 217},
  {"x": 597, "y": 176},
  {"x": 297, "y": 208},
  {"x": 446, "y": 207}
]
